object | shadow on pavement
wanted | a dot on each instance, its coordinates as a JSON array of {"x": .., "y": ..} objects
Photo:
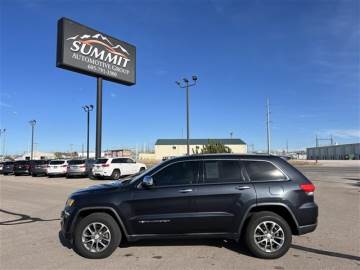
[
  {"x": 22, "y": 219},
  {"x": 327, "y": 253}
]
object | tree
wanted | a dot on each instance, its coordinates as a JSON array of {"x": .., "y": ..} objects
[{"x": 214, "y": 146}]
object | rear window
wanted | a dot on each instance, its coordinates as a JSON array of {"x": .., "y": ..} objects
[
  {"x": 22, "y": 162},
  {"x": 39, "y": 162},
  {"x": 263, "y": 171},
  {"x": 101, "y": 161},
  {"x": 56, "y": 162},
  {"x": 76, "y": 162},
  {"x": 222, "y": 171},
  {"x": 8, "y": 163}
]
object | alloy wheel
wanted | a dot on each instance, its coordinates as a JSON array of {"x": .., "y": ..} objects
[
  {"x": 269, "y": 236},
  {"x": 96, "y": 237}
]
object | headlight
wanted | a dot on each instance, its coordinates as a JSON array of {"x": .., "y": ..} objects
[{"x": 70, "y": 202}]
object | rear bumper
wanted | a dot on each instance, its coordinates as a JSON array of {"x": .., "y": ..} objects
[
  {"x": 20, "y": 171},
  {"x": 77, "y": 173},
  {"x": 56, "y": 173}
]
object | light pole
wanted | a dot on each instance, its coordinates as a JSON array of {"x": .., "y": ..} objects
[
  {"x": 187, "y": 85},
  {"x": 32, "y": 123},
  {"x": 2, "y": 131},
  {"x": 88, "y": 109}
]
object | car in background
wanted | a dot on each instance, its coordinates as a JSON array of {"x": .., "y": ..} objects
[
  {"x": 39, "y": 167},
  {"x": 116, "y": 167},
  {"x": 57, "y": 167},
  {"x": 8, "y": 167},
  {"x": 22, "y": 167},
  {"x": 1, "y": 167},
  {"x": 79, "y": 167}
]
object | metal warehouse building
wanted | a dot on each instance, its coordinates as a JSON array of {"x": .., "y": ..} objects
[
  {"x": 341, "y": 151},
  {"x": 177, "y": 147}
]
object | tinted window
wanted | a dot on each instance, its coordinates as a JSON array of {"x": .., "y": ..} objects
[
  {"x": 76, "y": 162},
  {"x": 263, "y": 171},
  {"x": 129, "y": 160},
  {"x": 181, "y": 173},
  {"x": 22, "y": 162},
  {"x": 119, "y": 160},
  {"x": 222, "y": 171},
  {"x": 39, "y": 162},
  {"x": 56, "y": 162},
  {"x": 101, "y": 160}
]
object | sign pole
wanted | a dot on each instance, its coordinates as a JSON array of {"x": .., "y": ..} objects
[{"x": 98, "y": 118}]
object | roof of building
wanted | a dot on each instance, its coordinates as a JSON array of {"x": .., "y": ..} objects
[
  {"x": 197, "y": 141},
  {"x": 334, "y": 145}
]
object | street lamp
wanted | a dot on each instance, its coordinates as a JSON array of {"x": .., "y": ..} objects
[
  {"x": 187, "y": 85},
  {"x": 32, "y": 123},
  {"x": 88, "y": 109}
]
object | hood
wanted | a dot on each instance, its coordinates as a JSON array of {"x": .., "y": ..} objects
[{"x": 97, "y": 188}]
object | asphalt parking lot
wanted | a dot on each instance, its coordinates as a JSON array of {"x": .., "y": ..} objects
[{"x": 29, "y": 231}]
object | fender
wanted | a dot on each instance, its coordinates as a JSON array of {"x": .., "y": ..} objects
[
  {"x": 266, "y": 204},
  {"x": 100, "y": 208}
]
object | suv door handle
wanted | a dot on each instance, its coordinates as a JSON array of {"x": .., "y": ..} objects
[
  {"x": 185, "y": 190},
  {"x": 242, "y": 187}
]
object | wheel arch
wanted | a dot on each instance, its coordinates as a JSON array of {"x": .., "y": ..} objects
[
  {"x": 83, "y": 212},
  {"x": 278, "y": 208}
]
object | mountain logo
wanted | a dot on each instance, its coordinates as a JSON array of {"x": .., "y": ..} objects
[{"x": 89, "y": 45}]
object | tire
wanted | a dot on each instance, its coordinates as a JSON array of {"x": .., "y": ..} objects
[
  {"x": 115, "y": 174},
  {"x": 264, "y": 249},
  {"x": 111, "y": 226},
  {"x": 5, "y": 173},
  {"x": 33, "y": 174}
]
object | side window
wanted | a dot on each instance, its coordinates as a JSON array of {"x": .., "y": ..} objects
[
  {"x": 222, "y": 171},
  {"x": 129, "y": 160},
  {"x": 263, "y": 171},
  {"x": 181, "y": 173}
]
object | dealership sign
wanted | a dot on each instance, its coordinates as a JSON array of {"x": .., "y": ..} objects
[{"x": 91, "y": 52}]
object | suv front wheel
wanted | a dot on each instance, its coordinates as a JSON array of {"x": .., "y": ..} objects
[
  {"x": 97, "y": 236},
  {"x": 268, "y": 235}
]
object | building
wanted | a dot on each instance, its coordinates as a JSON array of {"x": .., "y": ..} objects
[
  {"x": 178, "y": 147},
  {"x": 36, "y": 155},
  {"x": 334, "y": 152},
  {"x": 118, "y": 153}
]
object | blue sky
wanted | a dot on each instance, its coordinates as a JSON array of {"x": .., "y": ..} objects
[{"x": 303, "y": 55}]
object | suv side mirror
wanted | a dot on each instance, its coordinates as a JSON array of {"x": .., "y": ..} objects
[{"x": 147, "y": 181}]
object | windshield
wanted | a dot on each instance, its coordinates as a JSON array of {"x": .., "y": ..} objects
[
  {"x": 101, "y": 161},
  {"x": 37, "y": 162},
  {"x": 57, "y": 162},
  {"x": 76, "y": 162}
]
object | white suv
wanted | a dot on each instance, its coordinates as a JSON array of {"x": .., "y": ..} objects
[
  {"x": 57, "y": 167},
  {"x": 116, "y": 167}
]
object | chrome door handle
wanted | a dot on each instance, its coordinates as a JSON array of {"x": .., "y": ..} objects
[
  {"x": 185, "y": 190},
  {"x": 242, "y": 187}
]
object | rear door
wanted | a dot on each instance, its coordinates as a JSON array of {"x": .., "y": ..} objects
[
  {"x": 167, "y": 207},
  {"x": 222, "y": 197}
]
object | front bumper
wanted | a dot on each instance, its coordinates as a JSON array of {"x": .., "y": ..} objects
[{"x": 65, "y": 223}]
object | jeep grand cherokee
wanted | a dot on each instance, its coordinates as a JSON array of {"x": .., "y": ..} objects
[{"x": 262, "y": 198}]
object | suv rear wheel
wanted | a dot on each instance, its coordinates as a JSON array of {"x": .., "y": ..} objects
[
  {"x": 268, "y": 235},
  {"x": 97, "y": 236},
  {"x": 115, "y": 175}
]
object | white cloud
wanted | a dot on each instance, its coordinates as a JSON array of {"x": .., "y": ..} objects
[
  {"x": 342, "y": 133},
  {"x": 6, "y": 105}
]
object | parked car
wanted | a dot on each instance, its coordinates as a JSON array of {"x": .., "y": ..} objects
[
  {"x": 79, "y": 167},
  {"x": 1, "y": 167},
  {"x": 39, "y": 167},
  {"x": 262, "y": 199},
  {"x": 22, "y": 167},
  {"x": 8, "y": 167},
  {"x": 116, "y": 167},
  {"x": 57, "y": 167}
]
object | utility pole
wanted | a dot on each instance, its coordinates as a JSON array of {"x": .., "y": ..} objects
[
  {"x": 231, "y": 134},
  {"x": 187, "y": 85},
  {"x": 88, "y": 109},
  {"x": 32, "y": 123},
  {"x": 268, "y": 126},
  {"x": 287, "y": 147},
  {"x": 2, "y": 131}
]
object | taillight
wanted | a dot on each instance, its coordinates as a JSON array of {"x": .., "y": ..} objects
[
  {"x": 307, "y": 188},
  {"x": 105, "y": 165}
]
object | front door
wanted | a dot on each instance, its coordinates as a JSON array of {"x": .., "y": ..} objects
[{"x": 167, "y": 207}]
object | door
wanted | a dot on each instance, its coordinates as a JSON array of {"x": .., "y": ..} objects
[
  {"x": 167, "y": 207},
  {"x": 222, "y": 197}
]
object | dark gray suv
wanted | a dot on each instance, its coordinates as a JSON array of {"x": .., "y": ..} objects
[{"x": 261, "y": 200}]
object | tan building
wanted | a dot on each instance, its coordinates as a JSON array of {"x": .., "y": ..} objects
[{"x": 177, "y": 147}]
